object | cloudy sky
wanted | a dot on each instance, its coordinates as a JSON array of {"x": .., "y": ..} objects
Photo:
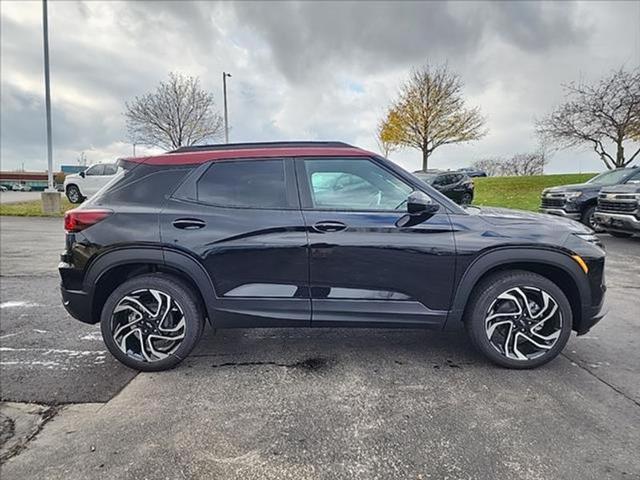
[{"x": 321, "y": 70}]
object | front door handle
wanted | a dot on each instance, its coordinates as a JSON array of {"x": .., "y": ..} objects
[
  {"x": 327, "y": 227},
  {"x": 189, "y": 223}
]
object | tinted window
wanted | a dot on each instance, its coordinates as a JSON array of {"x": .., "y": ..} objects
[
  {"x": 254, "y": 183},
  {"x": 110, "y": 169},
  {"x": 95, "y": 170},
  {"x": 609, "y": 178},
  {"x": 635, "y": 177},
  {"x": 354, "y": 185}
]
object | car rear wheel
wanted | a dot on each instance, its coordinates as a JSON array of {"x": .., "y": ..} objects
[
  {"x": 518, "y": 319},
  {"x": 151, "y": 322},
  {"x": 73, "y": 194}
]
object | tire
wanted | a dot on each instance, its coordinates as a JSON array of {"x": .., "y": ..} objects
[
  {"x": 466, "y": 199},
  {"x": 492, "y": 297},
  {"x": 74, "y": 195},
  {"x": 169, "y": 335},
  {"x": 589, "y": 220},
  {"x": 619, "y": 234}
]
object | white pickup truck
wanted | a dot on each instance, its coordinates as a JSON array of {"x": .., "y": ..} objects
[{"x": 79, "y": 186}]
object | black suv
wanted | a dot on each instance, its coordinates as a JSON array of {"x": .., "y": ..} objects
[
  {"x": 309, "y": 234},
  {"x": 618, "y": 211},
  {"x": 579, "y": 201},
  {"x": 455, "y": 185}
]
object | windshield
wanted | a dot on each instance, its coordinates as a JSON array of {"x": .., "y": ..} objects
[{"x": 609, "y": 178}]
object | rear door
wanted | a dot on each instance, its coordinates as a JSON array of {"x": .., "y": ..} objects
[
  {"x": 364, "y": 270},
  {"x": 241, "y": 219}
]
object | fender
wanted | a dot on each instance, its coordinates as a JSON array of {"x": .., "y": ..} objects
[
  {"x": 508, "y": 255},
  {"x": 156, "y": 255}
]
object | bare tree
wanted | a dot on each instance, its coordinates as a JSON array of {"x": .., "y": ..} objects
[
  {"x": 431, "y": 112},
  {"x": 602, "y": 115},
  {"x": 178, "y": 113},
  {"x": 521, "y": 164}
]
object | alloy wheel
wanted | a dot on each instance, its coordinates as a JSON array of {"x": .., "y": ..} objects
[
  {"x": 523, "y": 323},
  {"x": 148, "y": 325},
  {"x": 74, "y": 195}
]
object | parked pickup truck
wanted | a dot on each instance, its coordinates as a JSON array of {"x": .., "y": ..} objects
[
  {"x": 579, "y": 201},
  {"x": 618, "y": 211}
]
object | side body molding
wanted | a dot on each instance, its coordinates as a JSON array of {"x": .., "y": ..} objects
[{"x": 514, "y": 255}]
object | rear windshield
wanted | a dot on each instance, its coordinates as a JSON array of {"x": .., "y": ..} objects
[{"x": 136, "y": 183}]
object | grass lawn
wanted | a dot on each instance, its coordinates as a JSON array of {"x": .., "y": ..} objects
[
  {"x": 522, "y": 193},
  {"x": 33, "y": 208}
]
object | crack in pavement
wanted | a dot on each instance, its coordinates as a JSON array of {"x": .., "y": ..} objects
[
  {"x": 309, "y": 364},
  {"x": 582, "y": 366},
  {"x": 48, "y": 414}
]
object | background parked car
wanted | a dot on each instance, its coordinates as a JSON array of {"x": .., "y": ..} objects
[
  {"x": 618, "y": 211},
  {"x": 3, "y": 188},
  {"x": 473, "y": 172},
  {"x": 579, "y": 201},
  {"x": 21, "y": 187},
  {"x": 82, "y": 185},
  {"x": 455, "y": 185}
]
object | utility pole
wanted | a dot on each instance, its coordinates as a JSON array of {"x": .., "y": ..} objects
[
  {"x": 50, "y": 197},
  {"x": 226, "y": 113}
]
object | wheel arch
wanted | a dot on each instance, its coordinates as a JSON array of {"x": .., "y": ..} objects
[
  {"x": 114, "y": 267},
  {"x": 557, "y": 266}
]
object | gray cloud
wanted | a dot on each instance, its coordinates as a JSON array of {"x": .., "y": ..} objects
[{"x": 312, "y": 70}]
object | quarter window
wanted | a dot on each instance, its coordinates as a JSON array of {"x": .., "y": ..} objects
[
  {"x": 253, "y": 184},
  {"x": 354, "y": 184}
]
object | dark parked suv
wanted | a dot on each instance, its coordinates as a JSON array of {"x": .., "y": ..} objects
[
  {"x": 317, "y": 234},
  {"x": 579, "y": 201},
  {"x": 455, "y": 185}
]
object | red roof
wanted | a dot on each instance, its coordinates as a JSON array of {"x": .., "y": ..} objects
[{"x": 189, "y": 158}]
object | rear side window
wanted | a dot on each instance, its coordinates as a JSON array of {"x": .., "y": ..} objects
[
  {"x": 110, "y": 169},
  {"x": 249, "y": 184}
]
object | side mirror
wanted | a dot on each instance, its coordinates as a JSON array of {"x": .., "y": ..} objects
[
  {"x": 420, "y": 203},
  {"x": 419, "y": 208},
  {"x": 82, "y": 174}
]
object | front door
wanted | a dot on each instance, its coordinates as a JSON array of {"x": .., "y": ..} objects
[
  {"x": 241, "y": 219},
  {"x": 364, "y": 270}
]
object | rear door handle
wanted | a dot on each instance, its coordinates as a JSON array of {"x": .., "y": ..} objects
[
  {"x": 326, "y": 227},
  {"x": 189, "y": 223}
]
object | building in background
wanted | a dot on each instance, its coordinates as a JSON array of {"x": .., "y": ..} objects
[{"x": 35, "y": 180}]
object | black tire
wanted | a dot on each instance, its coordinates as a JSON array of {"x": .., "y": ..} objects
[
  {"x": 619, "y": 234},
  {"x": 74, "y": 195},
  {"x": 184, "y": 302},
  {"x": 484, "y": 296},
  {"x": 588, "y": 218},
  {"x": 466, "y": 199}
]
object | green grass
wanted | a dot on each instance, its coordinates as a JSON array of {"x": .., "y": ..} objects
[
  {"x": 522, "y": 193},
  {"x": 32, "y": 209}
]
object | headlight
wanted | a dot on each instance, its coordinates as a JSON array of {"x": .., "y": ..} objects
[
  {"x": 591, "y": 238},
  {"x": 572, "y": 195}
]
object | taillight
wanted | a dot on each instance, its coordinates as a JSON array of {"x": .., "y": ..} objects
[{"x": 78, "y": 219}]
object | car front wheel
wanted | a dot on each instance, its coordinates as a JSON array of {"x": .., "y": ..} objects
[
  {"x": 518, "y": 319},
  {"x": 151, "y": 322}
]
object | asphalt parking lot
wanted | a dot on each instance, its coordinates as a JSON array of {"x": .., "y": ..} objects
[{"x": 305, "y": 403}]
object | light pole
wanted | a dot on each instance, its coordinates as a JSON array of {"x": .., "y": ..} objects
[
  {"x": 226, "y": 113},
  {"x": 47, "y": 93},
  {"x": 50, "y": 197}
]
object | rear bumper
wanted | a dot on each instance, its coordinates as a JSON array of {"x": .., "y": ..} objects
[
  {"x": 78, "y": 304},
  {"x": 561, "y": 213},
  {"x": 618, "y": 221}
]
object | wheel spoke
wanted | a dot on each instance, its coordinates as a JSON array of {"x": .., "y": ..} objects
[
  {"x": 523, "y": 323},
  {"x": 148, "y": 325}
]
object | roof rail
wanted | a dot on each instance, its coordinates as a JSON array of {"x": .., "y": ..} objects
[{"x": 241, "y": 146}]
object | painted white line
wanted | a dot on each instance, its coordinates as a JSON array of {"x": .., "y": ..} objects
[
  {"x": 92, "y": 336},
  {"x": 16, "y": 304},
  {"x": 37, "y": 330},
  {"x": 46, "y": 351},
  {"x": 7, "y": 335}
]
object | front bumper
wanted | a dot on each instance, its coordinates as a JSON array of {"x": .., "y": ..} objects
[
  {"x": 560, "y": 212},
  {"x": 619, "y": 221}
]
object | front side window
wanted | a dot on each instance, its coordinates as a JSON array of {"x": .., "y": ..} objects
[
  {"x": 249, "y": 184},
  {"x": 354, "y": 184},
  {"x": 95, "y": 170},
  {"x": 609, "y": 178}
]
